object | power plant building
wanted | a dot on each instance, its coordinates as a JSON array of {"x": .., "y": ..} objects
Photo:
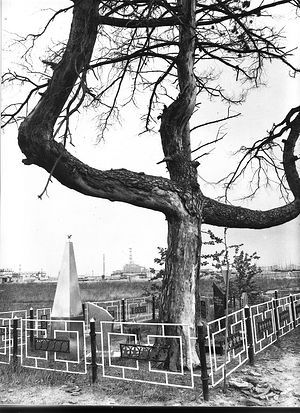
[{"x": 131, "y": 271}]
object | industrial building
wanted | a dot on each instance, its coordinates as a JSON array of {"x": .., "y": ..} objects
[{"x": 131, "y": 271}]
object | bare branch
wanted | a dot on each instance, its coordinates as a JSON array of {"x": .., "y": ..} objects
[
  {"x": 214, "y": 121},
  {"x": 264, "y": 144}
]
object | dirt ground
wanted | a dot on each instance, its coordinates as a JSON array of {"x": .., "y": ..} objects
[{"x": 274, "y": 380}]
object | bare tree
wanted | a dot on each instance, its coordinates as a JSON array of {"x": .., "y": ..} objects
[{"x": 172, "y": 52}]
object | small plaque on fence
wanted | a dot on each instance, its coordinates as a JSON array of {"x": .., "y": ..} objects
[
  {"x": 284, "y": 316},
  {"x": 138, "y": 310},
  {"x": 264, "y": 325},
  {"x": 297, "y": 310},
  {"x": 147, "y": 353},
  {"x": 51, "y": 344}
]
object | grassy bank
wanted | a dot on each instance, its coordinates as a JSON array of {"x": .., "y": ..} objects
[{"x": 14, "y": 296}]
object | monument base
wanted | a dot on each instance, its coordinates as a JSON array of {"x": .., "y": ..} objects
[{"x": 71, "y": 330}]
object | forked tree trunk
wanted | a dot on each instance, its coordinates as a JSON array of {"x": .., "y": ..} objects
[{"x": 180, "y": 287}]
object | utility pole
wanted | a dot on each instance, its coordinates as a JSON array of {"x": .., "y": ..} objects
[{"x": 103, "y": 267}]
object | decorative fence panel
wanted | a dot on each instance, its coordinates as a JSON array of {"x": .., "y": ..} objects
[
  {"x": 43, "y": 313},
  {"x": 296, "y": 300},
  {"x": 5, "y": 340},
  {"x": 284, "y": 315},
  {"x": 237, "y": 346},
  {"x": 263, "y": 325},
  {"x": 128, "y": 309},
  {"x": 139, "y": 309},
  {"x": 141, "y": 351},
  {"x": 114, "y": 307},
  {"x": 53, "y": 345}
]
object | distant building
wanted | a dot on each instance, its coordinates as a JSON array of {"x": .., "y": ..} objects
[
  {"x": 131, "y": 271},
  {"x": 4, "y": 278},
  {"x": 32, "y": 276},
  {"x": 281, "y": 268},
  {"x": 8, "y": 275},
  {"x": 88, "y": 278}
]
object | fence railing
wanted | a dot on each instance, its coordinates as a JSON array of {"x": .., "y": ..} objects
[
  {"x": 237, "y": 345},
  {"x": 128, "y": 309},
  {"x": 135, "y": 350},
  {"x": 263, "y": 325},
  {"x": 296, "y": 309},
  {"x": 139, "y": 351}
]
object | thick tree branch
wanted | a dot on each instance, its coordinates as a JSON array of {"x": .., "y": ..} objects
[
  {"x": 143, "y": 22},
  {"x": 219, "y": 214},
  {"x": 215, "y": 213},
  {"x": 76, "y": 56},
  {"x": 289, "y": 158},
  {"x": 139, "y": 189},
  {"x": 36, "y": 133}
]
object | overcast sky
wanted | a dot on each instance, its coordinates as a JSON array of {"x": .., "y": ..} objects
[{"x": 33, "y": 231}]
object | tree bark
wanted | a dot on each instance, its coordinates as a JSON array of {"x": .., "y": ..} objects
[{"x": 180, "y": 286}]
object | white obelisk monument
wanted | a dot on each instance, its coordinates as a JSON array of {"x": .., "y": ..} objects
[{"x": 67, "y": 302}]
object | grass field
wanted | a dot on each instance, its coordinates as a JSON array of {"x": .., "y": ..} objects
[
  {"x": 22, "y": 296},
  {"x": 19, "y": 296}
]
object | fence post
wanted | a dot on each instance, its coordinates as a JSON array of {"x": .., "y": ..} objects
[
  {"x": 15, "y": 343},
  {"x": 204, "y": 376},
  {"x": 249, "y": 335},
  {"x": 31, "y": 326},
  {"x": 153, "y": 307},
  {"x": 275, "y": 305},
  {"x": 293, "y": 310},
  {"x": 93, "y": 349},
  {"x": 83, "y": 310},
  {"x": 123, "y": 310}
]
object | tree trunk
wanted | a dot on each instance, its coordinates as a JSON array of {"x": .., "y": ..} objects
[{"x": 180, "y": 287}]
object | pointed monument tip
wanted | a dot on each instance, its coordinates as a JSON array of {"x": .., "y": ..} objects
[{"x": 69, "y": 236}]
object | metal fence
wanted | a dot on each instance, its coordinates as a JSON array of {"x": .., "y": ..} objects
[
  {"x": 139, "y": 351},
  {"x": 58, "y": 345},
  {"x": 5, "y": 340},
  {"x": 263, "y": 325},
  {"x": 136, "y": 309},
  {"x": 296, "y": 306},
  {"x": 237, "y": 346},
  {"x": 149, "y": 352},
  {"x": 14, "y": 313},
  {"x": 114, "y": 307}
]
